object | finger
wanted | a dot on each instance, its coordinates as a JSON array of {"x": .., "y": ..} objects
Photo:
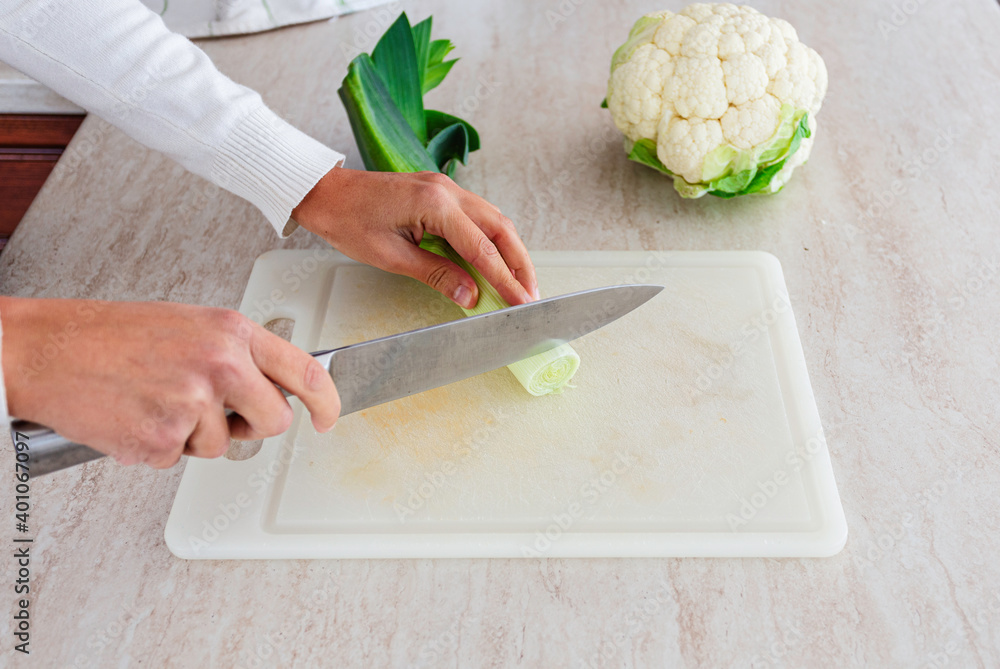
[
  {"x": 209, "y": 439},
  {"x": 297, "y": 372},
  {"x": 439, "y": 273},
  {"x": 501, "y": 231},
  {"x": 166, "y": 460},
  {"x": 468, "y": 195},
  {"x": 261, "y": 410},
  {"x": 472, "y": 244},
  {"x": 163, "y": 450}
]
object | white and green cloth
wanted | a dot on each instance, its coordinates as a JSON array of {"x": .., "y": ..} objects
[{"x": 215, "y": 18}]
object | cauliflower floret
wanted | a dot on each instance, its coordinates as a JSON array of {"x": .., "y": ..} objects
[
  {"x": 699, "y": 11},
  {"x": 792, "y": 84},
  {"x": 698, "y": 88},
  {"x": 746, "y": 78},
  {"x": 644, "y": 74},
  {"x": 711, "y": 76},
  {"x": 748, "y": 124},
  {"x": 670, "y": 34},
  {"x": 688, "y": 141}
]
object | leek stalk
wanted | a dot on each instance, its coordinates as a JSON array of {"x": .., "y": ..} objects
[
  {"x": 383, "y": 96},
  {"x": 540, "y": 374}
]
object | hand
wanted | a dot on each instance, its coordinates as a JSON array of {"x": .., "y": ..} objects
[
  {"x": 379, "y": 218},
  {"x": 146, "y": 382}
]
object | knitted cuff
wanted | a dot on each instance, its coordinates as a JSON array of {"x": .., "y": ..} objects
[{"x": 272, "y": 165}]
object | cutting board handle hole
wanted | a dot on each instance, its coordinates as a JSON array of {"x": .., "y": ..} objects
[
  {"x": 244, "y": 450},
  {"x": 283, "y": 327}
]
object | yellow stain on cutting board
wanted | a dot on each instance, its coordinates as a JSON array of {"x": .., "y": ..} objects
[
  {"x": 393, "y": 436},
  {"x": 396, "y": 422}
]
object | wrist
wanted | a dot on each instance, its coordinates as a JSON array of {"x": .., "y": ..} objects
[
  {"x": 313, "y": 212},
  {"x": 14, "y": 311},
  {"x": 35, "y": 334}
]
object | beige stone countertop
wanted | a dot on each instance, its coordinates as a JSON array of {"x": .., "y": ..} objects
[{"x": 890, "y": 243}]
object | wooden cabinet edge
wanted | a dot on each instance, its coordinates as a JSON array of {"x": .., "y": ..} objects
[{"x": 30, "y": 145}]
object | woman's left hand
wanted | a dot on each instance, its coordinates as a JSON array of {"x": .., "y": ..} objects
[{"x": 379, "y": 218}]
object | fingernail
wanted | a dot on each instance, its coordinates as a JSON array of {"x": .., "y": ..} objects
[
  {"x": 319, "y": 427},
  {"x": 463, "y": 297},
  {"x": 535, "y": 294}
]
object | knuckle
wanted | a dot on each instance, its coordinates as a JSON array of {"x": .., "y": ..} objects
[
  {"x": 173, "y": 437},
  {"x": 198, "y": 396},
  {"x": 159, "y": 450},
  {"x": 437, "y": 177},
  {"x": 487, "y": 249},
  {"x": 165, "y": 461},
  {"x": 284, "y": 419},
  {"x": 234, "y": 323},
  {"x": 437, "y": 278},
  {"x": 505, "y": 223},
  {"x": 315, "y": 376},
  {"x": 217, "y": 450},
  {"x": 223, "y": 369},
  {"x": 274, "y": 421},
  {"x": 435, "y": 195}
]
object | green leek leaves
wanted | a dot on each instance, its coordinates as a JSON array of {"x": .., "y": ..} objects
[
  {"x": 396, "y": 62},
  {"x": 386, "y": 141},
  {"x": 383, "y": 95}
]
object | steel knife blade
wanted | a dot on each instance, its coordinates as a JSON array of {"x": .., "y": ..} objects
[{"x": 381, "y": 370}]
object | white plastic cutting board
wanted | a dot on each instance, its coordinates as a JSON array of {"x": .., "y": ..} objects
[{"x": 691, "y": 430}]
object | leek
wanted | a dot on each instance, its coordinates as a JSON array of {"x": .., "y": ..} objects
[
  {"x": 540, "y": 374},
  {"x": 383, "y": 96}
]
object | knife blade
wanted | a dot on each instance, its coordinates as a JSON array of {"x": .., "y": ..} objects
[
  {"x": 386, "y": 369},
  {"x": 381, "y": 370}
]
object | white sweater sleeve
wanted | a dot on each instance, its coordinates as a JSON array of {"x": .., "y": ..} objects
[{"x": 116, "y": 59}]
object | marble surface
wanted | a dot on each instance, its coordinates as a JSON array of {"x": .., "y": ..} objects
[
  {"x": 20, "y": 94},
  {"x": 889, "y": 243}
]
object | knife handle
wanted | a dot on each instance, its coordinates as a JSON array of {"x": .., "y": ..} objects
[{"x": 48, "y": 452}]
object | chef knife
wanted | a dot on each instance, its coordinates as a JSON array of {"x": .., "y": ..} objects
[{"x": 381, "y": 370}]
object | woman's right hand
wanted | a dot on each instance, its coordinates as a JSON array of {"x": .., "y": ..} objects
[{"x": 148, "y": 381}]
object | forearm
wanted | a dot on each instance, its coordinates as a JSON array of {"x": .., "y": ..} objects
[{"x": 116, "y": 59}]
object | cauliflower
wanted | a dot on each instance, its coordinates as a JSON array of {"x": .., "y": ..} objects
[{"x": 718, "y": 97}]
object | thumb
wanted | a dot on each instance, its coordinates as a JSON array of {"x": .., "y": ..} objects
[{"x": 439, "y": 273}]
